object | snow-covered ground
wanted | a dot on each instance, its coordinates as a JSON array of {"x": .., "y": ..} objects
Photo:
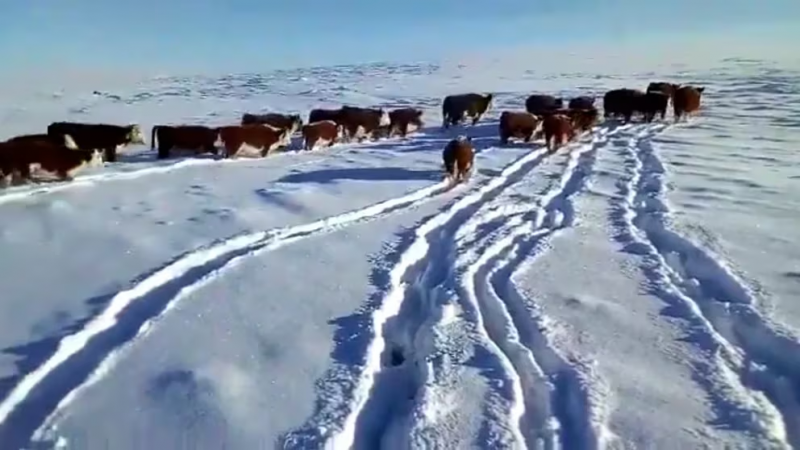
[{"x": 637, "y": 290}]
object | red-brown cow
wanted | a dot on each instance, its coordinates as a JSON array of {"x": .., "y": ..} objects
[
  {"x": 517, "y": 124},
  {"x": 194, "y": 138},
  {"x": 251, "y": 141},
  {"x": 324, "y": 132},
  {"x": 687, "y": 101},
  {"x": 458, "y": 157},
  {"x": 63, "y": 140},
  {"x": 557, "y": 131},
  {"x": 22, "y": 156}
]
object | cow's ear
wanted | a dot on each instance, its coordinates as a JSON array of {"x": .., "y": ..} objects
[{"x": 701, "y": 89}]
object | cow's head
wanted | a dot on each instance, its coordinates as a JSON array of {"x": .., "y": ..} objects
[
  {"x": 135, "y": 135},
  {"x": 297, "y": 122},
  {"x": 97, "y": 158}
]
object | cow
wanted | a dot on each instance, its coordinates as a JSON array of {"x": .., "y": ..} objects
[
  {"x": 583, "y": 119},
  {"x": 557, "y": 130},
  {"x": 404, "y": 120},
  {"x": 324, "y": 132},
  {"x": 318, "y": 115},
  {"x": 582, "y": 102},
  {"x": 539, "y": 104},
  {"x": 687, "y": 100},
  {"x": 251, "y": 140},
  {"x": 622, "y": 102},
  {"x": 663, "y": 87},
  {"x": 653, "y": 103},
  {"x": 454, "y": 107},
  {"x": 355, "y": 120},
  {"x": 95, "y": 136},
  {"x": 458, "y": 157},
  {"x": 21, "y": 156},
  {"x": 293, "y": 122},
  {"x": 195, "y": 138},
  {"x": 520, "y": 125},
  {"x": 65, "y": 140}
]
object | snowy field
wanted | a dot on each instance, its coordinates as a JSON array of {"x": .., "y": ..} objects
[{"x": 636, "y": 290}]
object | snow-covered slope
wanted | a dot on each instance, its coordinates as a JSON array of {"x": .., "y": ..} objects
[{"x": 636, "y": 290}]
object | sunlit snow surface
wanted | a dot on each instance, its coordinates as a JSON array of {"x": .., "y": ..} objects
[{"x": 636, "y": 290}]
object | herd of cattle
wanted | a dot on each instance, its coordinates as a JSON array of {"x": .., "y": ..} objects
[{"x": 66, "y": 147}]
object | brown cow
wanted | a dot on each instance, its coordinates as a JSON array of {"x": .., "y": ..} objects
[
  {"x": 404, "y": 120},
  {"x": 686, "y": 100},
  {"x": 652, "y": 103},
  {"x": 540, "y": 104},
  {"x": 65, "y": 140},
  {"x": 195, "y": 138},
  {"x": 663, "y": 87},
  {"x": 318, "y": 115},
  {"x": 360, "y": 123},
  {"x": 324, "y": 132},
  {"x": 251, "y": 141},
  {"x": 458, "y": 156},
  {"x": 583, "y": 119},
  {"x": 622, "y": 102},
  {"x": 95, "y": 136},
  {"x": 454, "y": 107},
  {"x": 293, "y": 122},
  {"x": 21, "y": 156},
  {"x": 520, "y": 125},
  {"x": 557, "y": 131},
  {"x": 581, "y": 102}
]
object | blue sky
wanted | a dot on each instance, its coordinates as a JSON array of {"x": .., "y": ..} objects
[{"x": 258, "y": 34}]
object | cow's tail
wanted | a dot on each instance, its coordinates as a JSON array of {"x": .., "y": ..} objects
[{"x": 153, "y": 135}]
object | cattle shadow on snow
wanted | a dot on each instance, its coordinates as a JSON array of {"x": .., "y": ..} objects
[
  {"x": 279, "y": 199},
  {"x": 324, "y": 176}
]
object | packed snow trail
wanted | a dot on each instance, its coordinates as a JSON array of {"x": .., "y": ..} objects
[
  {"x": 427, "y": 268},
  {"x": 742, "y": 373}
]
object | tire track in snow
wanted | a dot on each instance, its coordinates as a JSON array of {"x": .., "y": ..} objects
[
  {"x": 85, "y": 356},
  {"x": 409, "y": 311},
  {"x": 545, "y": 381},
  {"x": 753, "y": 372}
]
